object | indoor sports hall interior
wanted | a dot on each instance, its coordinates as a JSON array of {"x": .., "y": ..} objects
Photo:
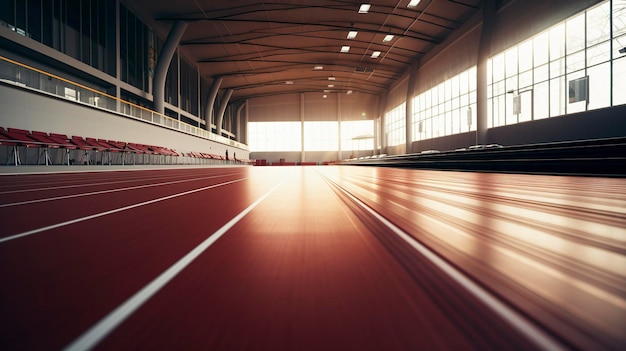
[{"x": 313, "y": 175}]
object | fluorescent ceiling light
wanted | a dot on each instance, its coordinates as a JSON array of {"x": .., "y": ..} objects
[
  {"x": 375, "y": 54},
  {"x": 289, "y": 82},
  {"x": 345, "y": 48},
  {"x": 364, "y": 8},
  {"x": 331, "y": 85},
  {"x": 387, "y": 38},
  {"x": 413, "y": 3},
  {"x": 352, "y": 34},
  {"x": 349, "y": 92},
  {"x": 318, "y": 67},
  {"x": 325, "y": 96},
  {"x": 331, "y": 78}
]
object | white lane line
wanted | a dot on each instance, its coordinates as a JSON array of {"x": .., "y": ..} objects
[
  {"x": 87, "y": 185},
  {"x": 77, "y": 220},
  {"x": 106, "y": 325},
  {"x": 535, "y": 334},
  {"x": 106, "y": 191}
]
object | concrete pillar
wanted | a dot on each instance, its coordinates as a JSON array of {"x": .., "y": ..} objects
[
  {"x": 302, "y": 155},
  {"x": 210, "y": 102},
  {"x": 239, "y": 122},
  {"x": 410, "y": 92},
  {"x": 222, "y": 108},
  {"x": 246, "y": 119},
  {"x": 163, "y": 63},
  {"x": 484, "y": 50}
]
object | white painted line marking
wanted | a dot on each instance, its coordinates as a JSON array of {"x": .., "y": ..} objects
[
  {"x": 106, "y": 325},
  {"x": 524, "y": 326},
  {"x": 106, "y": 191},
  {"x": 77, "y": 220},
  {"x": 87, "y": 185}
]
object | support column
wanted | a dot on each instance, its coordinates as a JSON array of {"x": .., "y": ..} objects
[
  {"x": 239, "y": 122},
  {"x": 165, "y": 58},
  {"x": 302, "y": 155},
  {"x": 246, "y": 120},
  {"x": 484, "y": 50},
  {"x": 339, "y": 126},
  {"x": 222, "y": 109},
  {"x": 210, "y": 102},
  {"x": 410, "y": 92}
]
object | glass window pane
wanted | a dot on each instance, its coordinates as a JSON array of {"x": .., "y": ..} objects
[
  {"x": 511, "y": 62},
  {"x": 511, "y": 117},
  {"x": 598, "y": 24},
  {"x": 598, "y": 54},
  {"x": 541, "y": 101},
  {"x": 321, "y": 136},
  {"x": 455, "y": 86},
  {"x": 619, "y": 17},
  {"x": 525, "y": 79},
  {"x": 558, "y": 96},
  {"x": 557, "y": 42},
  {"x": 619, "y": 81},
  {"x": 498, "y": 67},
  {"x": 541, "y": 73},
  {"x": 575, "y": 33},
  {"x": 274, "y": 136},
  {"x": 472, "y": 78},
  {"x": 619, "y": 43},
  {"x": 541, "y": 49},
  {"x": 557, "y": 68},
  {"x": 576, "y": 61},
  {"x": 599, "y": 89},
  {"x": 526, "y": 106},
  {"x": 464, "y": 82},
  {"x": 526, "y": 56}
]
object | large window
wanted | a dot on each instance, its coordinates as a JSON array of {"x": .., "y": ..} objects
[
  {"x": 321, "y": 136},
  {"x": 446, "y": 109},
  {"x": 274, "y": 136},
  {"x": 566, "y": 69},
  {"x": 82, "y": 29},
  {"x": 357, "y": 135},
  {"x": 395, "y": 125}
]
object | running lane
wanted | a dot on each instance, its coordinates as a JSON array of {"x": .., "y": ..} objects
[
  {"x": 308, "y": 270},
  {"x": 57, "y": 281},
  {"x": 316, "y": 258}
]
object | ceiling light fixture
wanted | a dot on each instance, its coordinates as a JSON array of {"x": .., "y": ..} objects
[
  {"x": 345, "y": 48},
  {"x": 331, "y": 78},
  {"x": 331, "y": 85},
  {"x": 413, "y": 3},
  {"x": 349, "y": 92},
  {"x": 364, "y": 8},
  {"x": 375, "y": 54},
  {"x": 388, "y": 38},
  {"x": 318, "y": 67},
  {"x": 352, "y": 34},
  {"x": 324, "y": 96},
  {"x": 289, "y": 82}
]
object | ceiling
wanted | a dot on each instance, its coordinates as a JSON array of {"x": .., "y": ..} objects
[{"x": 263, "y": 48}]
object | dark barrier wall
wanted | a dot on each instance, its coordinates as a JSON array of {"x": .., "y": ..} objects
[{"x": 596, "y": 124}]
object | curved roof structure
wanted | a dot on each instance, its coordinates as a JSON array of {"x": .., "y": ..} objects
[{"x": 263, "y": 48}]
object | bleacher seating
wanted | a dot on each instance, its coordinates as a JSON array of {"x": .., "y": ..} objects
[{"x": 17, "y": 142}]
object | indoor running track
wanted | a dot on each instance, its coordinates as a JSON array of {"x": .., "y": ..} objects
[{"x": 311, "y": 258}]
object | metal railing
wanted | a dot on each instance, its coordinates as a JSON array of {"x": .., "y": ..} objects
[{"x": 22, "y": 75}]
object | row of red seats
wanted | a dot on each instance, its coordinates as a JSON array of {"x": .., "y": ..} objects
[
  {"x": 205, "y": 155},
  {"x": 15, "y": 138}
]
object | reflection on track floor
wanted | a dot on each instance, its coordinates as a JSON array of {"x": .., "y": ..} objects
[{"x": 300, "y": 261}]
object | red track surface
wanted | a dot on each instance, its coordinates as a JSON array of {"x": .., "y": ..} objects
[{"x": 311, "y": 258}]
